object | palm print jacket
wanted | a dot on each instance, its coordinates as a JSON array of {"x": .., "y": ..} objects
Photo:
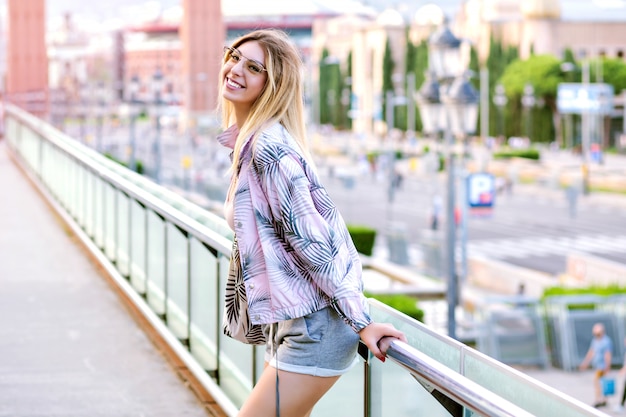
[{"x": 296, "y": 254}]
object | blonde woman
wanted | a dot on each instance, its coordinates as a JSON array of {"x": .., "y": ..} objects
[{"x": 301, "y": 271}]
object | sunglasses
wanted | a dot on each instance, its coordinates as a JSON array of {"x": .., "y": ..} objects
[{"x": 233, "y": 55}]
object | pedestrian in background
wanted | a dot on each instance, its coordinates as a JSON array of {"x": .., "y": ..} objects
[
  {"x": 436, "y": 212},
  {"x": 599, "y": 356},
  {"x": 301, "y": 272}
]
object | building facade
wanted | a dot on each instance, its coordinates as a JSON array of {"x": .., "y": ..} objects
[
  {"x": 545, "y": 27},
  {"x": 27, "y": 60},
  {"x": 202, "y": 33}
]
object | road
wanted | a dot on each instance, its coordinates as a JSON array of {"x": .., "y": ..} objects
[{"x": 531, "y": 226}]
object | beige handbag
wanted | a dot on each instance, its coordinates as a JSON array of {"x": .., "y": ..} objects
[{"x": 236, "y": 323}]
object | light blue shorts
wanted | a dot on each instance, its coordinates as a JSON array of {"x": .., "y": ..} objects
[{"x": 318, "y": 344}]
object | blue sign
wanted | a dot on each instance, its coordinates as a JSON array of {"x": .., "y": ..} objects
[
  {"x": 578, "y": 98},
  {"x": 481, "y": 190}
]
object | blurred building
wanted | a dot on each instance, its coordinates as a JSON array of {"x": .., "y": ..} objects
[
  {"x": 27, "y": 62},
  {"x": 68, "y": 53},
  {"x": 366, "y": 38},
  {"x": 202, "y": 35},
  {"x": 185, "y": 43},
  {"x": 155, "y": 47},
  {"x": 588, "y": 28}
]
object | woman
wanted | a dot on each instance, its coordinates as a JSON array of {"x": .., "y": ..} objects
[{"x": 301, "y": 270}]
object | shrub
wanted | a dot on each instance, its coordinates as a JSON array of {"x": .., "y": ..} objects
[
  {"x": 138, "y": 164},
  {"x": 363, "y": 238},
  {"x": 403, "y": 303},
  {"x": 592, "y": 290},
  {"x": 517, "y": 153}
]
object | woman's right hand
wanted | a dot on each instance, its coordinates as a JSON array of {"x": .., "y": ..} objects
[{"x": 374, "y": 332}]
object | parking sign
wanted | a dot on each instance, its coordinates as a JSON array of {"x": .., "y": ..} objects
[{"x": 481, "y": 190}]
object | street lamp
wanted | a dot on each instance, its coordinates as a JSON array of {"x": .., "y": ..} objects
[
  {"x": 461, "y": 102},
  {"x": 500, "y": 100},
  {"x": 157, "y": 88},
  {"x": 429, "y": 104},
  {"x": 393, "y": 98},
  {"x": 444, "y": 53},
  {"x": 448, "y": 103},
  {"x": 134, "y": 90}
]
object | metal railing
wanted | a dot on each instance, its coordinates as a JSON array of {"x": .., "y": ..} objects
[
  {"x": 452, "y": 389},
  {"x": 171, "y": 259}
]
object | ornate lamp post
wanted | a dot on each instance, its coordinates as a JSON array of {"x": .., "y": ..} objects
[{"x": 448, "y": 103}]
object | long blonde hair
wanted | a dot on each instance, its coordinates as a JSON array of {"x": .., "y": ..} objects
[{"x": 282, "y": 97}]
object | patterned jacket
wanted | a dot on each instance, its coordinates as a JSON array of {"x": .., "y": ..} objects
[{"x": 296, "y": 253}]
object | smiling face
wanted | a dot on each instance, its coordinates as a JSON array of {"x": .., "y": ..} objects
[{"x": 244, "y": 76}]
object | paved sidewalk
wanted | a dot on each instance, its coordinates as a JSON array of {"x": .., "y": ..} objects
[
  {"x": 576, "y": 384},
  {"x": 68, "y": 346}
]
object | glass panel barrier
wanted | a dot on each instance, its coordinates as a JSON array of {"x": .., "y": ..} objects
[
  {"x": 419, "y": 336},
  {"x": 177, "y": 281},
  {"x": 88, "y": 199},
  {"x": 346, "y": 397},
  {"x": 538, "y": 399},
  {"x": 236, "y": 362},
  {"x": 80, "y": 194},
  {"x": 396, "y": 391},
  {"x": 99, "y": 187},
  {"x": 138, "y": 246},
  {"x": 155, "y": 275},
  {"x": 123, "y": 226},
  {"x": 109, "y": 197},
  {"x": 70, "y": 192},
  {"x": 204, "y": 296},
  {"x": 177, "y": 255}
]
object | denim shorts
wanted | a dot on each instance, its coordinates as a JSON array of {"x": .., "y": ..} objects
[{"x": 318, "y": 344}]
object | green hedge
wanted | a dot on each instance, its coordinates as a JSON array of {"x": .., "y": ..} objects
[
  {"x": 592, "y": 290},
  {"x": 517, "y": 153},
  {"x": 403, "y": 303},
  {"x": 363, "y": 238}
]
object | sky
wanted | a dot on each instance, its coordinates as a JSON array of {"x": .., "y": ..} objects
[
  {"x": 94, "y": 12},
  {"x": 109, "y": 9}
]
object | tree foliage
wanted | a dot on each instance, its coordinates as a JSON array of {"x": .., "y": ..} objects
[
  {"x": 324, "y": 112},
  {"x": 388, "y": 67},
  {"x": 613, "y": 72},
  {"x": 331, "y": 84},
  {"x": 499, "y": 58},
  {"x": 543, "y": 72}
]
